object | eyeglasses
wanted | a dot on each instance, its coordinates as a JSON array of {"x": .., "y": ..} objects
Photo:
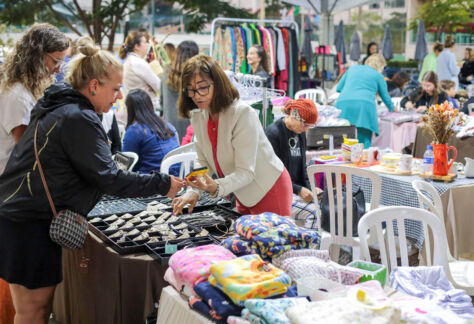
[
  {"x": 58, "y": 62},
  {"x": 202, "y": 91},
  {"x": 309, "y": 125}
]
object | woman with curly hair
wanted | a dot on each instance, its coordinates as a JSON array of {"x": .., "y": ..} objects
[
  {"x": 171, "y": 81},
  {"x": 27, "y": 71}
]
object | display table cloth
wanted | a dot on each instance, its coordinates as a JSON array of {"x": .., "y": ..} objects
[
  {"x": 394, "y": 136},
  {"x": 458, "y": 205},
  {"x": 174, "y": 309},
  {"x": 112, "y": 288}
]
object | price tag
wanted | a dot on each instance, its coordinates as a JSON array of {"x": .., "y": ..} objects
[{"x": 171, "y": 248}]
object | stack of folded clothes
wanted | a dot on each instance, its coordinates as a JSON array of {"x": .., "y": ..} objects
[
  {"x": 309, "y": 263},
  {"x": 189, "y": 267},
  {"x": 269, "y": 235}
]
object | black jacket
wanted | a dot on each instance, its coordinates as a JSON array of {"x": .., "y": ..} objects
[
  {"x": 76, "y": 160},
  {"x": 421, "y": 98},
  {"x": 278, "y": 136}
]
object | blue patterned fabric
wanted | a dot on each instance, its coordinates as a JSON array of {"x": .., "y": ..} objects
[
  {"x": 273, "y": 310},
  {"x": 269, "y": 235},
  {"x": 217, "y": 300}
]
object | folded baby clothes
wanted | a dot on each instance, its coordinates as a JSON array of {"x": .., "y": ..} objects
[
  {"x": 248, "y": 277},
  {"x": 270, "y": 234},
  {"x": 254, "y": 319},
  {"x": 273, "y": 310},
  {"x": 217, "y": 300},
  {"x": 201, "y": 307},
  {"x": 178, "y": 284},
  {"x": 321, "y": 254},
  {"x": 239, "y": 246},
  {"x": 341, "y": 310},
  {"x": 431, "y": 283},
  {"x": 237, "y": 320},
  {"x": 309, "y": 266},
  {"x": 191, "y": 266}
]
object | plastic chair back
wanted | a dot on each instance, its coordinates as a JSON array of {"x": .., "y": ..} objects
[
  {"x": 186, "y": 160},
  {"x": 337, "y": 171},
  {"x": 317, "y": 95},
  {"x": 434, "y": 204},
  {"x": 373, "y": 220}
]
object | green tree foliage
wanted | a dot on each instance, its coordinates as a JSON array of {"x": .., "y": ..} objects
[
  {"x": 200, "y": 12},
  {"x": 371, "y": 27},
  {"x": 100, "y": 22},
  {"x": 397, "y": 24},
  {"x": 445, "y": 15}
]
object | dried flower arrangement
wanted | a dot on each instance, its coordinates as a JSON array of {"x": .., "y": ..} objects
[{"x": 439, "y": 121}]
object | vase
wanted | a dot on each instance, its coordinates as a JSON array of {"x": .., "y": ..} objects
[{"x": 441, "y": 166}]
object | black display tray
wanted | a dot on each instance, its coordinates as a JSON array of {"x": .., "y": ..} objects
[
  {"x": 157, "y": 250},
  {"x": 129, "y": 246},
  {"x": 116, "y": 206}
]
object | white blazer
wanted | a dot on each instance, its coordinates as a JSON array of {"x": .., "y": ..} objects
[{"x": 245, "y": 155}]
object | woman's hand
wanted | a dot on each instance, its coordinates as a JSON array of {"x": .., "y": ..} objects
[
  {"x": 208, "y": 184},
  {"x": 306, "y": 194},
  {"x": 176, "y": 185},
  {"x": 409, "y": 105},
  {"x": 178, "y": 204},
  {"x": 421, "y": 109}
]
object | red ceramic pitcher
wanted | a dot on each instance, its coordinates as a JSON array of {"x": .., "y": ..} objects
[{"x": 441, "y": 166}]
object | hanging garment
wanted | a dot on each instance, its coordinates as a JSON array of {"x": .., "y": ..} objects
[
  {"x": 240, "y": 52},
  {"x": 295, "y": 73},
  {"x": 227, "y": 60},
  {"x": 243, "y": 67},
  {"x": 281, "y": 56},
  {"x": 248, "y": 277},
  {"x": 218, "y": 46},
  {"x": 234, "y": 49}
]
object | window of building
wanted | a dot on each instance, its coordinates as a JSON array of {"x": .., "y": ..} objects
[{"x": 394, "y": 3}]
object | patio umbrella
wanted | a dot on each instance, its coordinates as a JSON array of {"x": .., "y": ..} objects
[
  {"x": 421, "y": 49},
  {"x": 307, "y": 49},
  {"x": 387, "y": 48},
  {"x": 355, "y": 47},
  {"x": 340, "y": 42}
]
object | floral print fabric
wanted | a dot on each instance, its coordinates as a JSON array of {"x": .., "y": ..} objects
[
  {"x": 269, "y": 235},
  {"x": 191, "y": 266},
  {"x": 248, "y": 277}
]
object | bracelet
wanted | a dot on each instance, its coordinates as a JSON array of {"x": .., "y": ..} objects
[{"x": 215, "y": 193}]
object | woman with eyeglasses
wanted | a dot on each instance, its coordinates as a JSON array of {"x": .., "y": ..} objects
[
  {"x": 27, "y": 71},
  {"x": 288, "y": 138},
  {"x": 137, "y": 73},
  {"x": 230, "y": 142},
  {"x": 428, "y": 94}
]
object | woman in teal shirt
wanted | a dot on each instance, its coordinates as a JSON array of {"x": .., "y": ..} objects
[{"x": 358, "y": 88}]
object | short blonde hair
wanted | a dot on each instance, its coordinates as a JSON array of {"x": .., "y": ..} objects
[
  {"x": 377, "y": 62},
  {"x": 91, "y": 63}
]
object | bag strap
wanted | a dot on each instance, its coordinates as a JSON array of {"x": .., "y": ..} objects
[{"x": 40, "y": 169}]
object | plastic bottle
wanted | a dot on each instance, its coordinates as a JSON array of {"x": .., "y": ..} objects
[{"x": 428, "y": 160}]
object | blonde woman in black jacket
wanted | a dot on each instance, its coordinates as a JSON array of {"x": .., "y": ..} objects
[{"x": 78, "y": 167}]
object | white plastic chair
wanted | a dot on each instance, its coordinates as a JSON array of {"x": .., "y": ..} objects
[
  {"x": 186, "y": 159},
  {"x": 458, "y": 270},
  {"x": 190, "y": 147},
  {"x": 317, "y": 95},
  {"x": 331, "y": 238},
  {"x": 133, "y": 156},
  {"x": 386, "y": 237}
]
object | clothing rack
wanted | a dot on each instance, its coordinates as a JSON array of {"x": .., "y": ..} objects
[
  {"x": 254, "y": 21},
  {"x": 257, "y": 82}
]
